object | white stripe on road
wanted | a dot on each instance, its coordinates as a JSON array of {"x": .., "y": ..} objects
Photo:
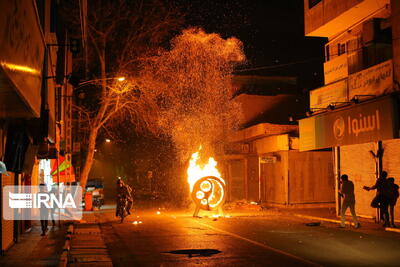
[{"x": 261, "y": 245}]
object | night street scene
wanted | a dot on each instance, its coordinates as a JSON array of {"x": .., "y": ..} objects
[{"x": 199, "y": 133}]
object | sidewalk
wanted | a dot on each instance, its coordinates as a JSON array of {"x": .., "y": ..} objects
[
  {"x": 319, "y": 215},
  {"x": 33, "y": 249},
  {"x": 87, "y": 247}
]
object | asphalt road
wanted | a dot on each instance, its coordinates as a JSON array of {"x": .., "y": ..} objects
[{"x": 177, "y": 239}]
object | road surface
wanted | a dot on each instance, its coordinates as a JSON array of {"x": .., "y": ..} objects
[{"x": 177, "y": 239}]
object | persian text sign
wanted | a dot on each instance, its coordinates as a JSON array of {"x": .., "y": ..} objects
[
  {"x": 377, "y": 80},
  {"x": 336, "y": 69},
  {"x": 323, "y": 96},
  {"x": 40, "y": 203},
  {"x": 362, "y": 123}
]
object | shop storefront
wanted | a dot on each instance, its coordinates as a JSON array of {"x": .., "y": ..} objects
[{"x": 364, "y": 138}]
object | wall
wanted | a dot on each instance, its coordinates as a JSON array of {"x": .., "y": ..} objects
[
  {"x": 274, "y": 178},
  {"x": 7, "y": 227},
  {"x": 395, "y": 6},
  {"x": 311, "y": 178}
]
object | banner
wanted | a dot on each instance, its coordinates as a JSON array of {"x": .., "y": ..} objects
[
  {"x": 377, "y": 80},
  {"x": 336, "y": 69},
  {"x": 323, "y": 96}
]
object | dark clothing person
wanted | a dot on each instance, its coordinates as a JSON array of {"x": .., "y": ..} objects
[
  {"x": 44, "y": 212},
  {"x": 393, "y": 193},
  {"x": 382, "y": 198},
  {"x": 347, "y": 192},
  {"x": 124, "y": 193}
]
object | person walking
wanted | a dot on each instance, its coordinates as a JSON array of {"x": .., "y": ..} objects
[
  {"x": 347, "y": 192},
  {"x": 44, "y": 211},
  {"x": 381, "y": 200},
  {"x": 393, "y": 190}
]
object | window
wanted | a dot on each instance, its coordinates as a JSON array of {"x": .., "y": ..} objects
[
  {"x": 341, "y": 49},
  {"x": 312, "y": 3},
  {"x": 327, "y": 57}
]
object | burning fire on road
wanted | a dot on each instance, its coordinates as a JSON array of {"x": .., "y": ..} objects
[{"x": 206, "y": 184}]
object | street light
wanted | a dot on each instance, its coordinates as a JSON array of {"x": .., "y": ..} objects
[
  {"x": 108, "y": 140},
  {"x": 120, "y": 79}
]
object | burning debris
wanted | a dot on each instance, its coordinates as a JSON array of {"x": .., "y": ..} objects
[
  {"x": 193, "y": 96},
  {"x": 206, "y": 185},
  {"x": 194, "y": 90}
]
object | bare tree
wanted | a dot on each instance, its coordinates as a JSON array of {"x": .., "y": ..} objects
[{"x": 120, "y": 34}]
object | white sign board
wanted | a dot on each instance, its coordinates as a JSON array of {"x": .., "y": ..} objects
[
  {"x": 323, "y": 96},
  {"x": 336, "y": 69},
  {"x": 377, "y": 80}
]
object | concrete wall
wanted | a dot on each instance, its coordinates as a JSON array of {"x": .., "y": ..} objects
[
  {"x": 311, "y": 178},
  {"x": 395, "y": 17}
]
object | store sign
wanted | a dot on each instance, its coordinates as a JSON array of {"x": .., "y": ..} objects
[
  {"x": 358, "y": 124},
  {"x": 334, "y": 92},
  {"x": 377, "y": 80},
  {"x": 268, "y": 159},
  {"x": 336, "y": 69}
]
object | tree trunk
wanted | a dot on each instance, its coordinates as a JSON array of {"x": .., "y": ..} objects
[
  {"x": 97, "y": 122},
  {"x": 89, "y": 157}
]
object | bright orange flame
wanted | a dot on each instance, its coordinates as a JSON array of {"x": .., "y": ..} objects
[{"x": 196, "y": 171}]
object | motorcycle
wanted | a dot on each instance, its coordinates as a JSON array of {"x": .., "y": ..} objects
[{"x": 122, "y": 212}]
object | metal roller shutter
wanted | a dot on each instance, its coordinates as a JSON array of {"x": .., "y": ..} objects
[
  {"x": 357, "y": 162},
  {"x": 391, "y": 164}
]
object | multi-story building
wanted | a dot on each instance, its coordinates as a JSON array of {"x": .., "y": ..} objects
[
  {"x": 356, "y": 112},
  {"x": 263, "y": 163},
  {"x": 35, "y": 100}
]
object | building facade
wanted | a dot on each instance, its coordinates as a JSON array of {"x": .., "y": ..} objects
[
  {"x": 356, "y": 112},
  {"x": 263, "y": 163},
  {"x": 35, "y": 100}
]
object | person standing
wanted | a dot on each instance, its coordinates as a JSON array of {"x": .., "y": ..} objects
[
  {"x": 347, "y": 192},
  {"x": 393, "y": 190},
  {"x": 381, "y": 200}
]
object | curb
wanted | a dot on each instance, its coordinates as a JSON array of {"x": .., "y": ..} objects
[
  {"x": 320, "y": 218},
  {"x": 388, "y": 229},
  {"x": 63, "y": 262},
  {"x": 63, "y": 259}
]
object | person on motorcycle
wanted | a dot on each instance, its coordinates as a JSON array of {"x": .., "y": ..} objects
[{"x": 124, "y": 192}]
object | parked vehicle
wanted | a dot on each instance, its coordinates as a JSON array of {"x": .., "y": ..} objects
[{"x": 95, "y": 186}]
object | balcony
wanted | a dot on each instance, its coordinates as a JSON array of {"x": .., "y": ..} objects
[
  {"x": 373, "y": 81},
  {"x": 329, "y": 18}
]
